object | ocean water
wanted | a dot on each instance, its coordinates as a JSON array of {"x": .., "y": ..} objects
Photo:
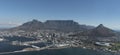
[
  {"x": 6, "y": 47},
  {"x": 65, "y": 51}
]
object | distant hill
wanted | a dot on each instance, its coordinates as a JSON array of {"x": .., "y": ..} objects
[
  {"x": 100, "y": 31},
  {"x": 59, "y": 25},
  {"x": 117, "y": 30}
]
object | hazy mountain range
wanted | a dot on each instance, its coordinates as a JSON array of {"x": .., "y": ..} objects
[
  {"x": 58, "y": 25},
  {"x": 95, "y": 33},
  {"x": 65, "y": 26}
]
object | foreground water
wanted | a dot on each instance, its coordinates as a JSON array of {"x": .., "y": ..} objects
[
  {"x": 6, "y": 47},
  {"x": 65, "y": 51}
]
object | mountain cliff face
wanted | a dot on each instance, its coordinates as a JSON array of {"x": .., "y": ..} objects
[
  {"x": 59, "y": 25},
  {"x": 62, "y": 25}
]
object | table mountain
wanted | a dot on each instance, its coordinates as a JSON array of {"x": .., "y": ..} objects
[{"x": 59, "y": 25}]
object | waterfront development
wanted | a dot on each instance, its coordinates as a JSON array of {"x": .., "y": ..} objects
[
  {"x": 22, "y": 40},
  {"x": 51, "y": 49},
  {"x": 65, "y": 51},
  {"x": 38, "y": 44}
]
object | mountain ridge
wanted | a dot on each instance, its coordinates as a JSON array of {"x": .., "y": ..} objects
[
  {"x": 59, "y": 25},
  {"x": 67, "y": 26}
]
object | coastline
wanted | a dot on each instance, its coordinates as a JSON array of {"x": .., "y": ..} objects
[{"x": 60, "y": 48}]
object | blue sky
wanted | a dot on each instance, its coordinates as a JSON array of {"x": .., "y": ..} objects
[{"x": 89, "y": 12}]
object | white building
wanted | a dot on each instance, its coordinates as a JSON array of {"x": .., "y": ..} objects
[
  {"x": 61, "y": 45},
  {"x": 102, "y": 43},
  {"x": 1, "y": 39}
]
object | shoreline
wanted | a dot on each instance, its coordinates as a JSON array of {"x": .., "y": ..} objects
[{"x": 21, "y": 51}]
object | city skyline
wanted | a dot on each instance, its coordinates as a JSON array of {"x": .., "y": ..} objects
[{"x": 89, "y": 12}]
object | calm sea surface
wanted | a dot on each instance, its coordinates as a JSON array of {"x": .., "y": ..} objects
[{"x": 65, "y": 51}]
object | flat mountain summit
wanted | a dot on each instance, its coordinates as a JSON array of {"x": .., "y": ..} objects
[{"x": 59, "y": 25}]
